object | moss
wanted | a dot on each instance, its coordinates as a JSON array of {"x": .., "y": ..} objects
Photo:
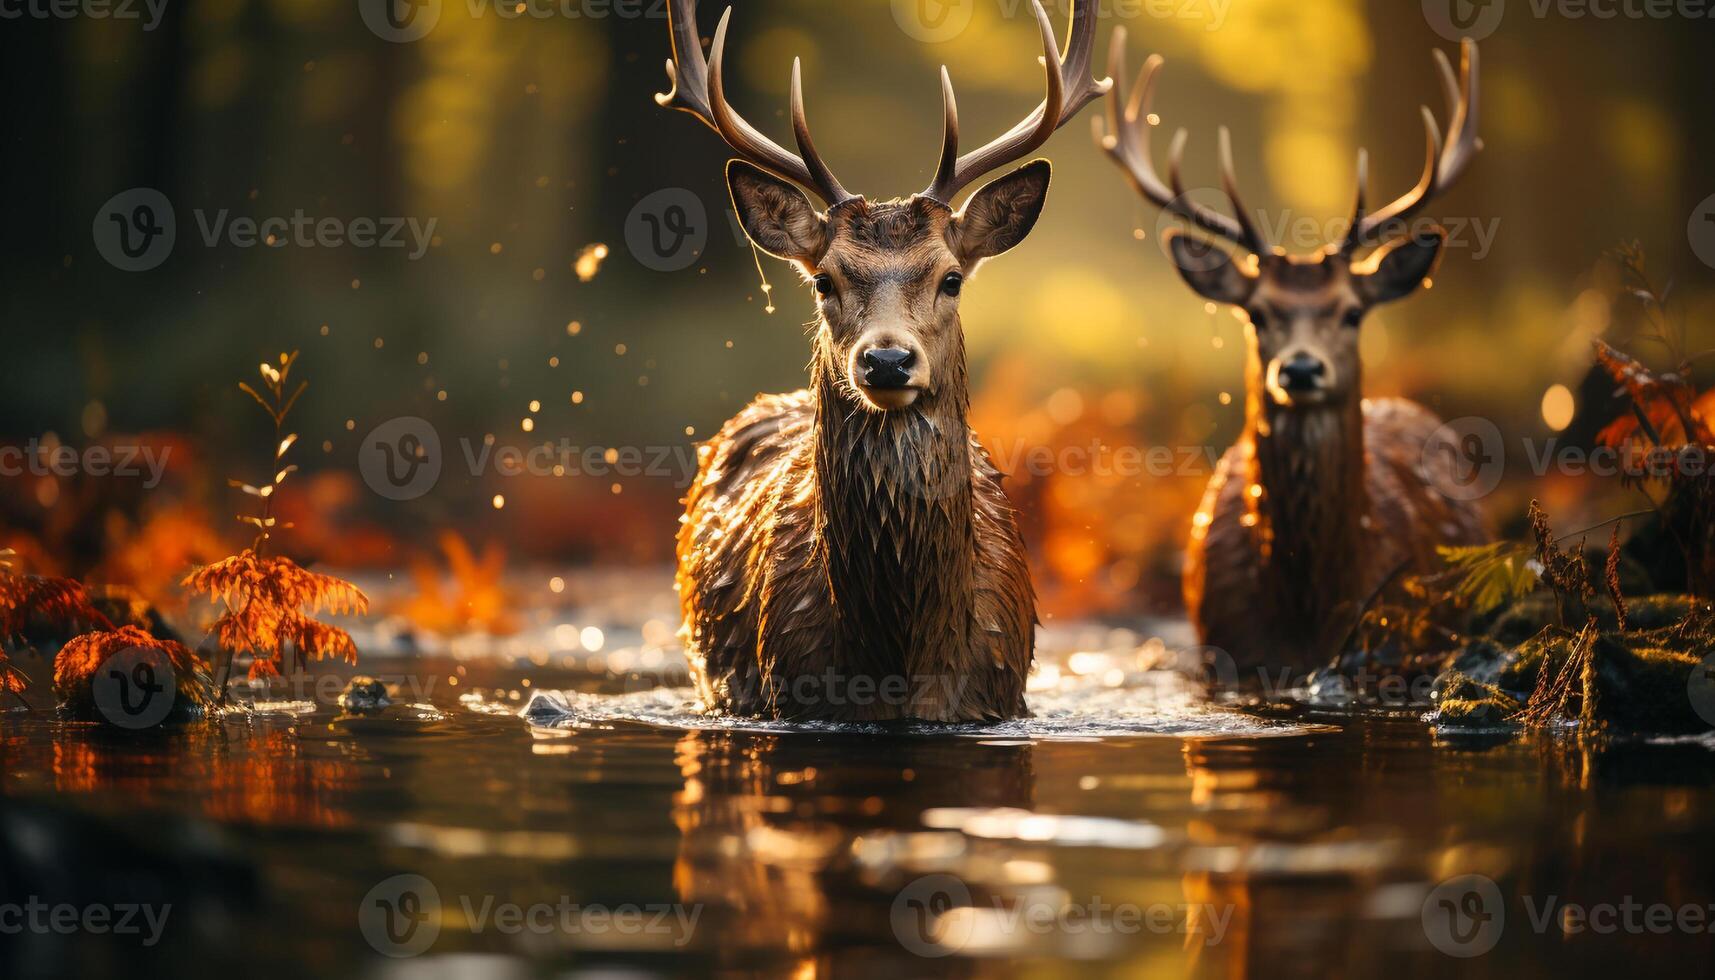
[
  {"x": 1652, "y": 612},
  {"x": 1640, "y": 681},
  {"x": 1644, "y": 688},
  {"x": 1465, "y": 702}
]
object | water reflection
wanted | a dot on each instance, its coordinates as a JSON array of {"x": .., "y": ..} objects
[
  {"x": 1254, "y": 849},
  {"x": 798, "y": 844}
]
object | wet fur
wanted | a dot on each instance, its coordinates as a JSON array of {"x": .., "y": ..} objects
[
  {"x": 1345, "y": 503},
  {"x": 822, "y": 540}
]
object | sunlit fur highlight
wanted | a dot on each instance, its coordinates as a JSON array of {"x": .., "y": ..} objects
[
  {"x": 826, "y": 538},
  {"x": 1316, "y": 505}
]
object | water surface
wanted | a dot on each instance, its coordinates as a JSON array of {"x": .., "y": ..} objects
[{"x": 1132, "y": 827}]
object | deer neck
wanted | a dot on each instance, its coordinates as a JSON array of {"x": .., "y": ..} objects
[
  {"x": 894, "y": 521},
  {"x": 1309, "y": 515}
]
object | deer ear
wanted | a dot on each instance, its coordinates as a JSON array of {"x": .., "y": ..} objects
[
  {"x": 776, "y": 215},
  {"x": 1208, "y": 269},
  {"x": 1397, "y": 268},
  {"x": 998, "y": 216}
]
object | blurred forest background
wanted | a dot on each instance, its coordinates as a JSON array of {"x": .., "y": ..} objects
[{"x": 529, "y": 139}]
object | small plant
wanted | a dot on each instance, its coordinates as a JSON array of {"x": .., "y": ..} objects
[
  {"x": 270, "y": 601},
  {"x": 60, "y": 604},
  {"x": 1668, "y": 438},
  {"x": 1489, "y": 576},
  {"x": 78, "y": 661},
  {"x": 1566, "y": 573}
]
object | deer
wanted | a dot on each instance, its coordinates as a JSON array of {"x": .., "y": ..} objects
[
  {"x": 1327, "y": 498},
  {"x": 847, "y": 551}
]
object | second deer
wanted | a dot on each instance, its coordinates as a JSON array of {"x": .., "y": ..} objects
[{"x": 1327, "y": 496}]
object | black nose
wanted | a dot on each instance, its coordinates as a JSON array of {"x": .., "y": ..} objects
[
  {"x": 887, "y": 367},
  {"x": 1302, "y": 373}
]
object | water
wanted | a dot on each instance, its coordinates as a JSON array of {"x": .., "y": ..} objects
[{"x": 1131, "y": 828}]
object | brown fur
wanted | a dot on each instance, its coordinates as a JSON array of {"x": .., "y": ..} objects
[
  {"x": 842, "y": 562},
  {"x": 1316, "y": 505}
]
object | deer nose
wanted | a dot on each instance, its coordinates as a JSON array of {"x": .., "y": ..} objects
[
  {"x": 1302, "y": 373},
  {"x": 887, "y": 367}
]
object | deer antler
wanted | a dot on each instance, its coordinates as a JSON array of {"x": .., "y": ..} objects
[
  {"x": 1070, "y": 88},
  {"x": 1125, "y": 139},
  {"x": 1442, "y": 165},
  {"x": 698, "y": 89}
]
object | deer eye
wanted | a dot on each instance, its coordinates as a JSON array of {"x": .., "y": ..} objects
[
  {"x": 824, "y": 284},
  {"x": 952, "y": 283},
  {"x": 1352, "y": 317},
  {"x": 1258, "y": 318}
]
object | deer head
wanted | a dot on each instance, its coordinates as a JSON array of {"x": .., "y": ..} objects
[
  {"x": 1304, "y": 311},
  {"x": 887, "y": 274}
]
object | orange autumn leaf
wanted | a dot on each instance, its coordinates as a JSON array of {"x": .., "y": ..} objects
[
  {"x": 269, "y": 607},
  {"x": 1668, "y": 403},
  {"x": 78, "y": 661}
]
